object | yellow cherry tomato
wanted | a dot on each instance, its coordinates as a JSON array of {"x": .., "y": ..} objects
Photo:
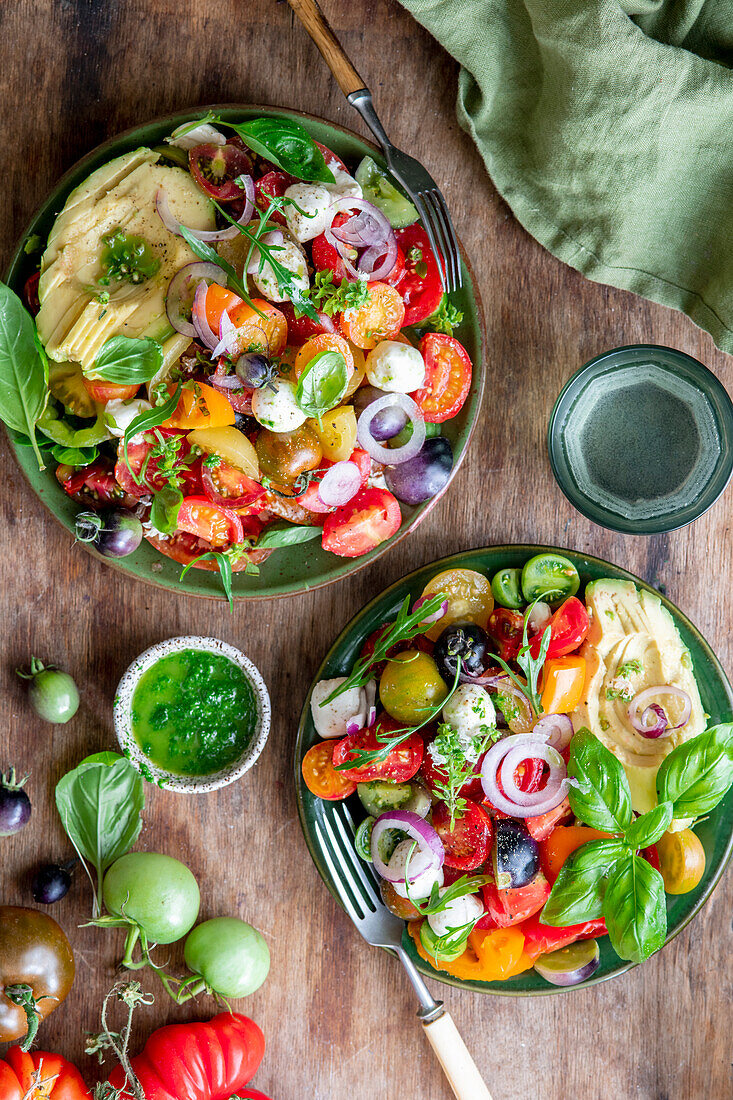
[
  {"x": 562, "y": 685},
  {"x": 359, "y": 370},
  {"x": 681, "y": 860},
  {"x": 411, "y": 687},
  {"x": 229, "y": 444},
  {"x": 336, "y": 432},
  {"x": 469, "y": 598}
]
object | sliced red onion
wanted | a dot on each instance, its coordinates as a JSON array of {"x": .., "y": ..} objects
[
  {"x": 327, "y": 323},
  {"x": 225, "y": 382},
  {"x": 339, "y": 484},
  {"x": 204, "y": 134},
  {"x": 166, "y": 216},
  {"x": 179, "y": 290},
  {"x": 539, "y": 617},
  {"x": 436, "y": 614},
  {"x": 371, "y": 230},
  {"x": 556, "y": 729},
  {"x": 508, "y": 754},
  {"x": 369, "y": 258},
  {"x": 429, "y": 844},
  {"x": 483, "y": 679},
  {"x": 370, "y": 692},
  {"x": 200, "y": 322},
  {"x": 644, "y": 724},
  {"x": 386, "y": 455}
]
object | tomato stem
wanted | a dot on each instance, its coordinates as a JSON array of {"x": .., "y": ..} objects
[
  {"x": 22, "y": 996},
  {"x": 133, "y": 936},
  {"x": 190, "y": 989}
]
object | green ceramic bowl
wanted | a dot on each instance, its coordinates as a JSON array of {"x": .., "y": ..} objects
[
  {"x": 715, "y": 832},
  {"x": 290, "y": 570}
]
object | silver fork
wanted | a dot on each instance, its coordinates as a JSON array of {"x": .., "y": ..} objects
[
  {"x": 409, "y": 173},
  {"x": 357, "y": 890}
]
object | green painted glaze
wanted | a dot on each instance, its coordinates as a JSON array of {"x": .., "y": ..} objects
[
  {"x": 193, "y": 712},
  {"x": 292, "y": 569},
  {"x": 715, "y": 832}
]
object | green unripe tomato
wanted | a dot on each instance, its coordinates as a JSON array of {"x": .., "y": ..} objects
[
  {"x": 411, "y": 687},
  {"x": 52, "y": 693},
  {"x": 230, "y": 955},
  {"x": 154, "y": 891}
]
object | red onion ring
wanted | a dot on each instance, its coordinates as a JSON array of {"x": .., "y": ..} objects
[
  {"x": 225, "y": 382},
  {"x": 369, "y": 258},
  {"x": 556, "y": 729},
  {"x": 514, "y": 750},
  {"x": 436, "y": 614},
  {"x": 370, "y": 691},
  {"x": 200, "y": 322},
  {"x": 179, "y": 288},
  {"x": 641, "y": 722},
  {"x": 429, "y": 844},
  {"x": 166, "y": 216},
  {"x": 386, "y": 455},
  {"x": 372, "y": 230},
  {"x": 326, "y": 322},
  {"x": 339, "y": 484}
]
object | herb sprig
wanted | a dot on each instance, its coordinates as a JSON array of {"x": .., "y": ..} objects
[
  {"x": 331, "y": 297},
  {"x": 455, "y": 762},
  {"x": 530, "y": 666}
]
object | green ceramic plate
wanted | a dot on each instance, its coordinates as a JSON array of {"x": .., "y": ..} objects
[
  {"x": 716, "y": 832},
  {"x": 307, "y": 565}
]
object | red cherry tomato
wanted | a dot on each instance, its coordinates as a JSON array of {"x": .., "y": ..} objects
[
  {"x": 30, "y": 292},
  {"x": 95, "y": 484},
  {"x": 468, "y": 843},
  {"x": 102, "y": 392},
  {"x": 447, "y": 377},
  {"x": 326, "y": 256},
  {"x": 227, "y": 485},
  {"x": 212, "y": 522},
  {"x": 420, "y": 285},
  {"x": 401, "y": 764},
  {"x": 505, "y": 628},
  {"x": 515, "y": 904},
  {"x": 370, "y": 517},
  {"x": 302, "y": 328},
  {"x": 568, "y": 628},
  {"x": 272, "y": 185},
  {"x": 216, "y": 167},
  {"x": 138, "y": 460}
]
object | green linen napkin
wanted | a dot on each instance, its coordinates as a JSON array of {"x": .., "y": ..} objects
[{"x": 607, "y": 125}]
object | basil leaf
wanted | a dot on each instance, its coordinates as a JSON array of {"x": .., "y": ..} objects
[
  {"x": 635, "y": 909},
  {"x": 23, "y": 369},
  {"x": 225, "y": 571},
  {"x": 127, "y": 360},
  {"x": 287, "y": 144},
  {"x": 151, "y": 418},
  {"x": 100, "y": 806},
  {"x": 648, "y": 828},
  {"x": 577, "y": 893},
  {"x": 603, "y": 799},
  {"x": 165, "y": 508},
  {"x": 74, "y": 456},
  {"x": 322, "y": 384},
  {"x": 287, "y": 535},
  {"x": 698, "y": 773}
]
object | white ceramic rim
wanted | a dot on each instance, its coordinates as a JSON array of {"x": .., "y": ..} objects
[{"x": 123, "y": 718}]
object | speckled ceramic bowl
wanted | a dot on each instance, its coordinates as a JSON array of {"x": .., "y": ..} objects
[{"x": 189, "y": 784}]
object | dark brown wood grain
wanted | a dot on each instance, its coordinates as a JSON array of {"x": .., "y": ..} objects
[{"x": 338, "y": 1016}]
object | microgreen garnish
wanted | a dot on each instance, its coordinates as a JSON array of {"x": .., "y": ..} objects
[
  {"x": 151, "y": 418},
  {"x": 629, "y": 667},
  {"x": 332, "y": 298},
  {"x": 456, "y": 755},
  {"x": 530, "y": 666},
  {"x": 406, "y": 626},
  {"x": 446, "y": 317},
  {"x": 437, "y": 902}
]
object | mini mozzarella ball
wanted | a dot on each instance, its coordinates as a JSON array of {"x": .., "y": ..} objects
[
  {"x": 395, "y": 367},
  {"x": 457, "y": 913},
  {"x": 314, "y": 200},
  {"x": 289, "y": 255},
  {"x": 118, "y": 415},
  {"x": 277, "y": 408},
  {"x": 422, "y": 882},
  {"x": 330, "y": 721},
  {"x": 469, "y": 707}
]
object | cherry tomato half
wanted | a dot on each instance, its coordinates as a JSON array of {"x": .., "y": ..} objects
[
  {"x": 216, "y": 167},
  {"x": 505, "y": 628},
  {"x": 302, "y": 328},
  {"x": 320, "y": 776},
  {"x": 468, "y": 843},
  {"x": 402, "y": 762},
  {"x": 212, "y": 522},
  {"x": 272, "y": 185},
  {"x": 447, "y": 377},
  {"x": 514, "y": 904},
  {"x": 370, "y": 517},
  {"x": 227, "y": 485},
  {"x": 185, "y": 548},
  {"x": 568, "y": 628},
  {"x": 96, "y": 484},
  {"x": 420, "y": 286},
  {"x": 102, "y": 392}
]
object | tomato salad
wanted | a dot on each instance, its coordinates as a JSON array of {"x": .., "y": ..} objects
[
  {"x": 298, "y": 378},
  {"x": 500, "y": 826}
]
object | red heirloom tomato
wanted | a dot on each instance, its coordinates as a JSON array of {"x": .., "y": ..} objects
[
  {"x": 370, "y": 517},
  {"x": 568, "y": 628},
  {"x": 420, "y": 286},
  {"x": 468, "y": 843},
  {"x": 216, "y": 167}
]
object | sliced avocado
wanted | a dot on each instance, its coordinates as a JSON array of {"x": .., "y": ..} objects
[{"x": 78, "y": 313}]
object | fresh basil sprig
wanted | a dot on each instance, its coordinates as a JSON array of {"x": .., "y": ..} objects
[
  {"x": 607, "y": 877},
  {"x": 322, "y": 384},
  {"x": 23, "y": 369},
  {"x": 151, "y": 418},
  {"x": 128, "y": 360},
  {"x": 100, "y": 804},
  {"x": 285, "y": 143}
]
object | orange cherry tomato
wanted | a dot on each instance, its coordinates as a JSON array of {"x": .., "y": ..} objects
[
  {"x": 266, "y": 331},
  {"x": 563, "y": 683},
  {"x": 209, "y": 521},
  {"x": 491, "y": 956},
  {"x": 561, "y": 843},
  {"x": 380, "y": 318},
  {"x": 448, "y": 373},
  {"x": 200, "y": 406},
  {"x": 102, "y": 392},
  {"x": 218, "y": 298},
  {"x": 325, "y": 341},
  {"x": 321, "y": 778}
]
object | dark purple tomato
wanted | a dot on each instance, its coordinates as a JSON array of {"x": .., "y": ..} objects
[
  {"x": 15, "y": 805},
  {"x": 465, "y": 640},
  {"x": 51, "y": 882},
  {"x": 423, "y": 476},
  {"x": 114, "y": 533}
]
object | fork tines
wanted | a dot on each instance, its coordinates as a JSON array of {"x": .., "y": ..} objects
[{"x": 356, "y": 886}]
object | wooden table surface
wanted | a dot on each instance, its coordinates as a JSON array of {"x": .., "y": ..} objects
[{"x": 338, "y": 1016}]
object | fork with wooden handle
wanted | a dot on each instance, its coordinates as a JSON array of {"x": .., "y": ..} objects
[{"x": 356, "y": 888}]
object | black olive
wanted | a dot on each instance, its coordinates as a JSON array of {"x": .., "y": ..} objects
[
  {"x": 465, "y": 640},
  {"x": 515, "y": 855}
]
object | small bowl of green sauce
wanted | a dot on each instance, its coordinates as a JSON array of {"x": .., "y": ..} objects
[{"x": 192, "y": 714}]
